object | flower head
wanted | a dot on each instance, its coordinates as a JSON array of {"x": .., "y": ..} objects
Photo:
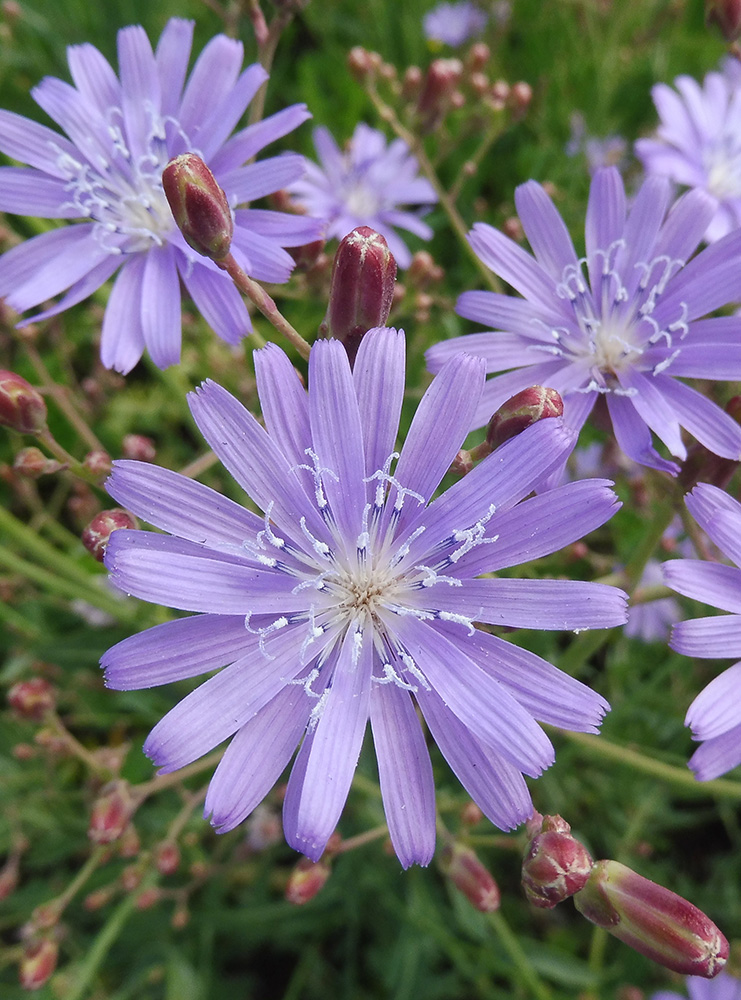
[
  {"x": 454, "y": 23},
  {"x": 715, "y": 715},
  {"x": 622, "y": 322},
  {"x": 106, "y": 171},
  {"x": 698, "y": 143},
  {"x": 366, "y": 185},
  {"x": 353, "y": 597},
  {"x": 723, "y": 987}
]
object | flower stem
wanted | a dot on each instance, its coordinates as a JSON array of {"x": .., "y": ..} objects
[
  {"x": 257, "y": 295},
  {"x": 60, "y": 395},
  {"x": 525, "y": 971}
]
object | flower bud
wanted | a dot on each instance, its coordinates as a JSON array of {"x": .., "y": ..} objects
[
  {"x": 138, "y": 447},
  {"x": 98, "y": 462},
  {"x": 727, "y": 15},
  {"x": 32, "y": 699},
  {"x": 199, "y": 206},
  {"x": 306, "y": 880},
  {"x": 653, "y": 920},
  {"x": 440, "y": 83},
  {"x": 95, "y": 536},
  {"x": 522, "y": 410},
  {"x": 22, "y": 408},
  {"x": 361, "y": 289},
  {"x": 555, "y": 866},
  {"x": 111, "y": 812},
  {"x": 38, "y": 963},
  {"x": 466, "y": 872},
  {"x": 167, "y": 857},
  {"x": 32, "y": 463}
]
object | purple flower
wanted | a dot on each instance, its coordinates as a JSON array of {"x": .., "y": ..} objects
[
  {"x": 350, "y": 598},
  {"x": 651, "y": 621},
  {"x": 722, "y": 987},
  {"x": 365, "y": 186},
  {"x": 121, "y": 132},
  {"x": 454, "y": 23},
  {"x": 698, "y": 142},
  {"x": 622, "y": 323},
  {"x": 715, "y": 715},
  {"x": 607, "y": 152}
]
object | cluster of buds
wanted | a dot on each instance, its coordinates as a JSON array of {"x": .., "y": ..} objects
[
  {"x": 361, "y": 289},
  {"x": 652, "y": 920},
  {"x": 22, "y": 408}
]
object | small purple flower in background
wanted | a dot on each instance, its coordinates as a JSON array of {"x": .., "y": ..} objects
[
  {"x": 454, "y": 23},
  {"x": 121, "y": 132},
  {"x": 698, "y": 142},
  {"x": 366, "y": 185},
  {"x": 623, "y": 323},
  {"x": 722, "y": 987},
  {"x": 715, "y": 715},
  {"x": 350, "y": 598},
  {"x": 608, "y": 152},
  {"x": 652, "y": 621}
]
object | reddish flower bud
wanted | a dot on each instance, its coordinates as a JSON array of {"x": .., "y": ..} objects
[
  {"x": 199, "y": 206},
  {"x": 440, "y": 84},
  {"x": 653, "y": 920},
  {"x": 167, "y": 857},
  {"x": 98, "y": 462},
  {"x": 95, "y": 536},
  {"x": 111, "y": 812},
  {"x": 21, "y": 407},
  {"x": 478, "y": 55},
  {"x": 148, "y": 898},
  {"x": 38, "y": 963},
  {"x": 466, "y": 872},
  {"x": 32, "y": 463},
  {"x": 138, "y": 447},
  {"x": 32, "y": 699},
  {"x": 556, "y": 865},
  {"x": 306, "y": 880},
  {"x": 8, "y": 877},
  {"x": 727, "y": 15},
  {"x": 522, "y": 410},
  {"x": 361, "y": 289},
  {"x": 520, "y": 96}
]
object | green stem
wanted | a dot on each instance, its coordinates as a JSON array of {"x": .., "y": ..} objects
[
  {"x": 682, "y": 778},
  {"x": 14, "y": 620},
  {"x": 525, "y": 971},
  {"x": 37, "y": 546}
]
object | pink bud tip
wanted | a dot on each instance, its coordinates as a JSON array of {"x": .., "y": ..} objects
[
  {"x": 21, "y": 407},
  {"x": 199, "y": 206},
  {"x": 556, "y": 864}
]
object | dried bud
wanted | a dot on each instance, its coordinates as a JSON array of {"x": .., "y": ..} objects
[
  {"x": 32, "y": 699},
  {"x": 361, "y": 289},
  {"x": 306, "y": 880},
  {"x": 95, "y": 536},
  {"x": 727, "y": 15},
  {"x": 556, "y": 865},
  {"x": 21, "y": 407},
  {"x": 522, "y": 410},
  {"x": 32, "y": 463},
  {"x": 440, "y": 83},
  {"x": 138, "y": 447},
  {"x": 653, "y": 920},
  {"x": 466, "y": 872},
  {"x": 38, "y": 963},
  {"x": 199, "y": 206},
  {"x": 111, "y": 812}
]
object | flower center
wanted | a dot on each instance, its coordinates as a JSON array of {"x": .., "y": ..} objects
[{"x": 361, "y": 200}]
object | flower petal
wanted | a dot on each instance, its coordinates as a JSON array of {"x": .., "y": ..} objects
[
  {"x": 702, "y": 418},
  {"x": 717, "y": 756},
  {"x": 122, "y": 340},
  {"x": 216, "y": 299},
  {"x": 378, "y": 377},
  {"x": 264, "y": 177},
  {"x": 29, "y": 192},
  {"x": 634, "y": 436},
  {"x": 718, "y": 707},
  {"x": 215, "y": 72},
  {"x": 545, "y": 229},
  {"x": 711, "y": 583},
  {"x": 160, "y": 306},
  {"x": 26, "y": 141},
  {"x": 245, "y": 144},
  {"x": 172, "y": 55},
  {"x": 285, "y": 405},
  {"x": 708, "y": 638}
]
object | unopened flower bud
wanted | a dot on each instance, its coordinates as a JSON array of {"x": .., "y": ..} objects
[
  {"x": 32, "y": 463},
  {"x": 199, "y": 206},
  {"x": 361, "y": 289},
  {"x": 520, "y": 96},
  {"x": 98, "y": 462},
  {"x": 727, "y": 15},
  {"x": 167, "y": 857},
  {"x": 556, "y": 865},
  {"x": 111, "y": 812},
  {"x": 22, "y": 408},
  {"x": 478, "y": 55},
  {"x": 522, "y": 410},
  {"x": 468, "y": 874},
  {"x": 32, "y": 699},
  {"x": 359, "y": 62},
  {"x": 653, "y": 920},
  {"x": 38, "y": 963},
  {"x": 138, "y": 448},
  {"x": 96, "y": 535},
  {"x": 148, "y": 898},
  {"x": 306, "y": 880},
  {"x": 440, "y": 83},
  {"x": 411, "y": 82}
]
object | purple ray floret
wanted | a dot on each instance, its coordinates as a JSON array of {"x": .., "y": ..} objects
[
  {"x": 354, "y": 596},
  {"x": 624, "y": 322},
  {"x": 715, "y": 715},
  {"x": 369, "y": 184},
  {"x": 698, "y": 142},
  {"x": 454, "y": 23},
  {"x": 120, "y": 132},
  {"x": 723, "y": 987}
]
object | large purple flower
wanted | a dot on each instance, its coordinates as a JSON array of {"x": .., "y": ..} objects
[
  {"x": 121, "y": 133},
  {"x": 722, "y": 987},
  {"x": 715, "y": 715},
  {"x": 367, "y": 185},
  {"x": 351, "y": 598},
  {"x": 698, "y": 142},
  {"x": 623, "y": 323}
]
